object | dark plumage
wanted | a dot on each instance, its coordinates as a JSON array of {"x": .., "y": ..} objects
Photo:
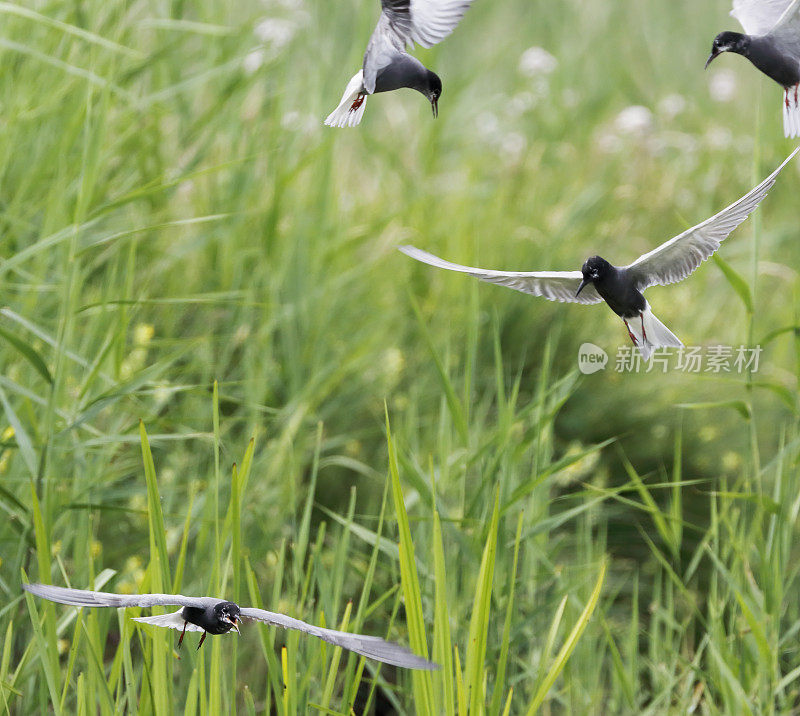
[
  {"x": 621, "y": 287},
  {"x": 217, "y": 616},
  {"x": 387, "y": 66},
  {"x": 772, "y": 44}
]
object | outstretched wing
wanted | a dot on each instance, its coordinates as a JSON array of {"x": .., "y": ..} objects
[
  {"x": 759, "y": 17},
  {"x": 87, "y": 598},
  {"x": 424, "y": 22},
  {"x": 553, "y": 285},
  {"x": 786, "y": 33},
  {"x": 675, "y": 259},
  {"x": 388, "y": 42},
  {"x": 404, "y": 22},
  {"x": 371, "y": 646},
  {"x": 174, "y": 620}
]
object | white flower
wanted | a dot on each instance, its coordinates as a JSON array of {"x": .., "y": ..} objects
[
  {"x": 520, "y": 103},
  {"x": 722, "y": 85},
  {"x": 253, "y": 61},
  {"x": 634, "y": 120},
  {"x": 537, "y": 61},
  {"x": 609, "y": 142},
  {"x": 672, "y": 105},
  {"x": 487, "y": 124},
  {"x": 719, "y": 138},
  {"x": 571, "y": 98},
  {"x": 294, "y": 121},
  {"x": 512, "y": 146},
  {"x": 275, "y": 31}
]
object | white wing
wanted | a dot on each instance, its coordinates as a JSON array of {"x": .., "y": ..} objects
[
  {"x": 388, "y": 42},
  {"x": 786, "y": 33},
  {"x": 759, "y": 17},
  {"x": 87, "y": 598},
  {"x": 371, "y": 646},
  {"x": 425, "y": 22},
  {"x": 553, "y": 285},
  {"x": 174, "y": 620},
  {"x": 675, "y": 259}
]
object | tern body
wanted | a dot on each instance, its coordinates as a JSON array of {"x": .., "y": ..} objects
[
  {"x": 622, "y": 287},
  {"x": 772, "y": 43},
  {"x": 218, "y": 616},
  {"x": 388, "y": 66}
]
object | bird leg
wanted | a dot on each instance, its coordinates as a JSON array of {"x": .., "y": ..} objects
[
  {"x": 632, "y": 337},
  {"x": 357, "y": 102},
  {"x": 183, "y": 634},
  {"x": 202, "y": 639},
  {"x": 644, "y": 334},
  {"x": 786, "y": 97}
]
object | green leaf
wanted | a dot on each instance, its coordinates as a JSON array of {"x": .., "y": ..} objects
[
  {"x": 422, "y": 683},
  {"x": 29, "y": 353},
  {"x": 738, "y": 405},
  {"x": 479, "y": 619},
  {"x": 772, "y": 335},
  {"x": 569, "y": 645},
  {"x": 736, "y": 281}
]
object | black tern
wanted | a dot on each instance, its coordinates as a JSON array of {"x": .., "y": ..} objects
[
  {"x": 621, "y": 286},
  {"x": 772, "y": 44},
  {"x": 217, "y": 616},
  {"x": 387, "y": 65}
]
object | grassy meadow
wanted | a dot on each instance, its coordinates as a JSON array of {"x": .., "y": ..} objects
[{"x": 219, "y": 376}]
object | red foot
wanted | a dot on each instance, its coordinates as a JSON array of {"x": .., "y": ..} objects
[
  {"x": 632, "y": 337},
  {"x": 786, "y": 97},
  {"x": 360, "y": 100},
  {"x": 183, "y": 634},
  {"x": 795, "y": 93},
  {"x": 644, "y": 335}
]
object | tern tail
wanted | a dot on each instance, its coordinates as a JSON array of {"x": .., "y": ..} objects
[
  {"x": 791, "y": 112},
  {"x": 650, "y": 333},
  {"x": 352, "y": 105}
]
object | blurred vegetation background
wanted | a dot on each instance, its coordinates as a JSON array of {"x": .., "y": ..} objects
[{"x": 173, "y": 213}]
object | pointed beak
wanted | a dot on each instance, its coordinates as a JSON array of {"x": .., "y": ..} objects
[
  {"x": 714, "y": 53},
  {"x": 232, "y": 622},
  {"x": 582, "y": 286},
  {"x": 435, "y": 107}
]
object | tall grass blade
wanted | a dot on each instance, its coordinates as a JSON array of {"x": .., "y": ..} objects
[{"x": 569, "y": 645}]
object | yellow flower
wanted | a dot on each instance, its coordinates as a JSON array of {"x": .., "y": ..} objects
[{"x": 143, "y": 334}]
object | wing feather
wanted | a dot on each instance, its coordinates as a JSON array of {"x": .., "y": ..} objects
[
  {"x": 388, "y": 41},
  {"x": 173, "y": 620},
  {"x": 405, "y": 22},
  {"x": 786, "y": 33},
  {"x": 371, "y": 646},
  {"x": 552, "y": 285},
  {"x": 425, "y": 22},
  {"x": 88, "y": 598},
  {"x": 759, "y": 17},
  {"x": 675, "y": 259}
]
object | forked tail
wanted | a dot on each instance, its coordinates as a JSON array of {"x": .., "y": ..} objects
[
  {"x": 648, "y": 333},
  {"x": 791, "y": 112},
  {"x": 352, "y": 106}
]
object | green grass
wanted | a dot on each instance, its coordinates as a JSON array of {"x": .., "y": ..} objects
[{"x": 217, "y": 374}]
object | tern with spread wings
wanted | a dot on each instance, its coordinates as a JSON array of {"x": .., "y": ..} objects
[
  {"x": 621, "y": 286},
  {"x": 217, "y": 616},
  {"x": 772, "y": 44},
  {"x": 387, "y": 66}
]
